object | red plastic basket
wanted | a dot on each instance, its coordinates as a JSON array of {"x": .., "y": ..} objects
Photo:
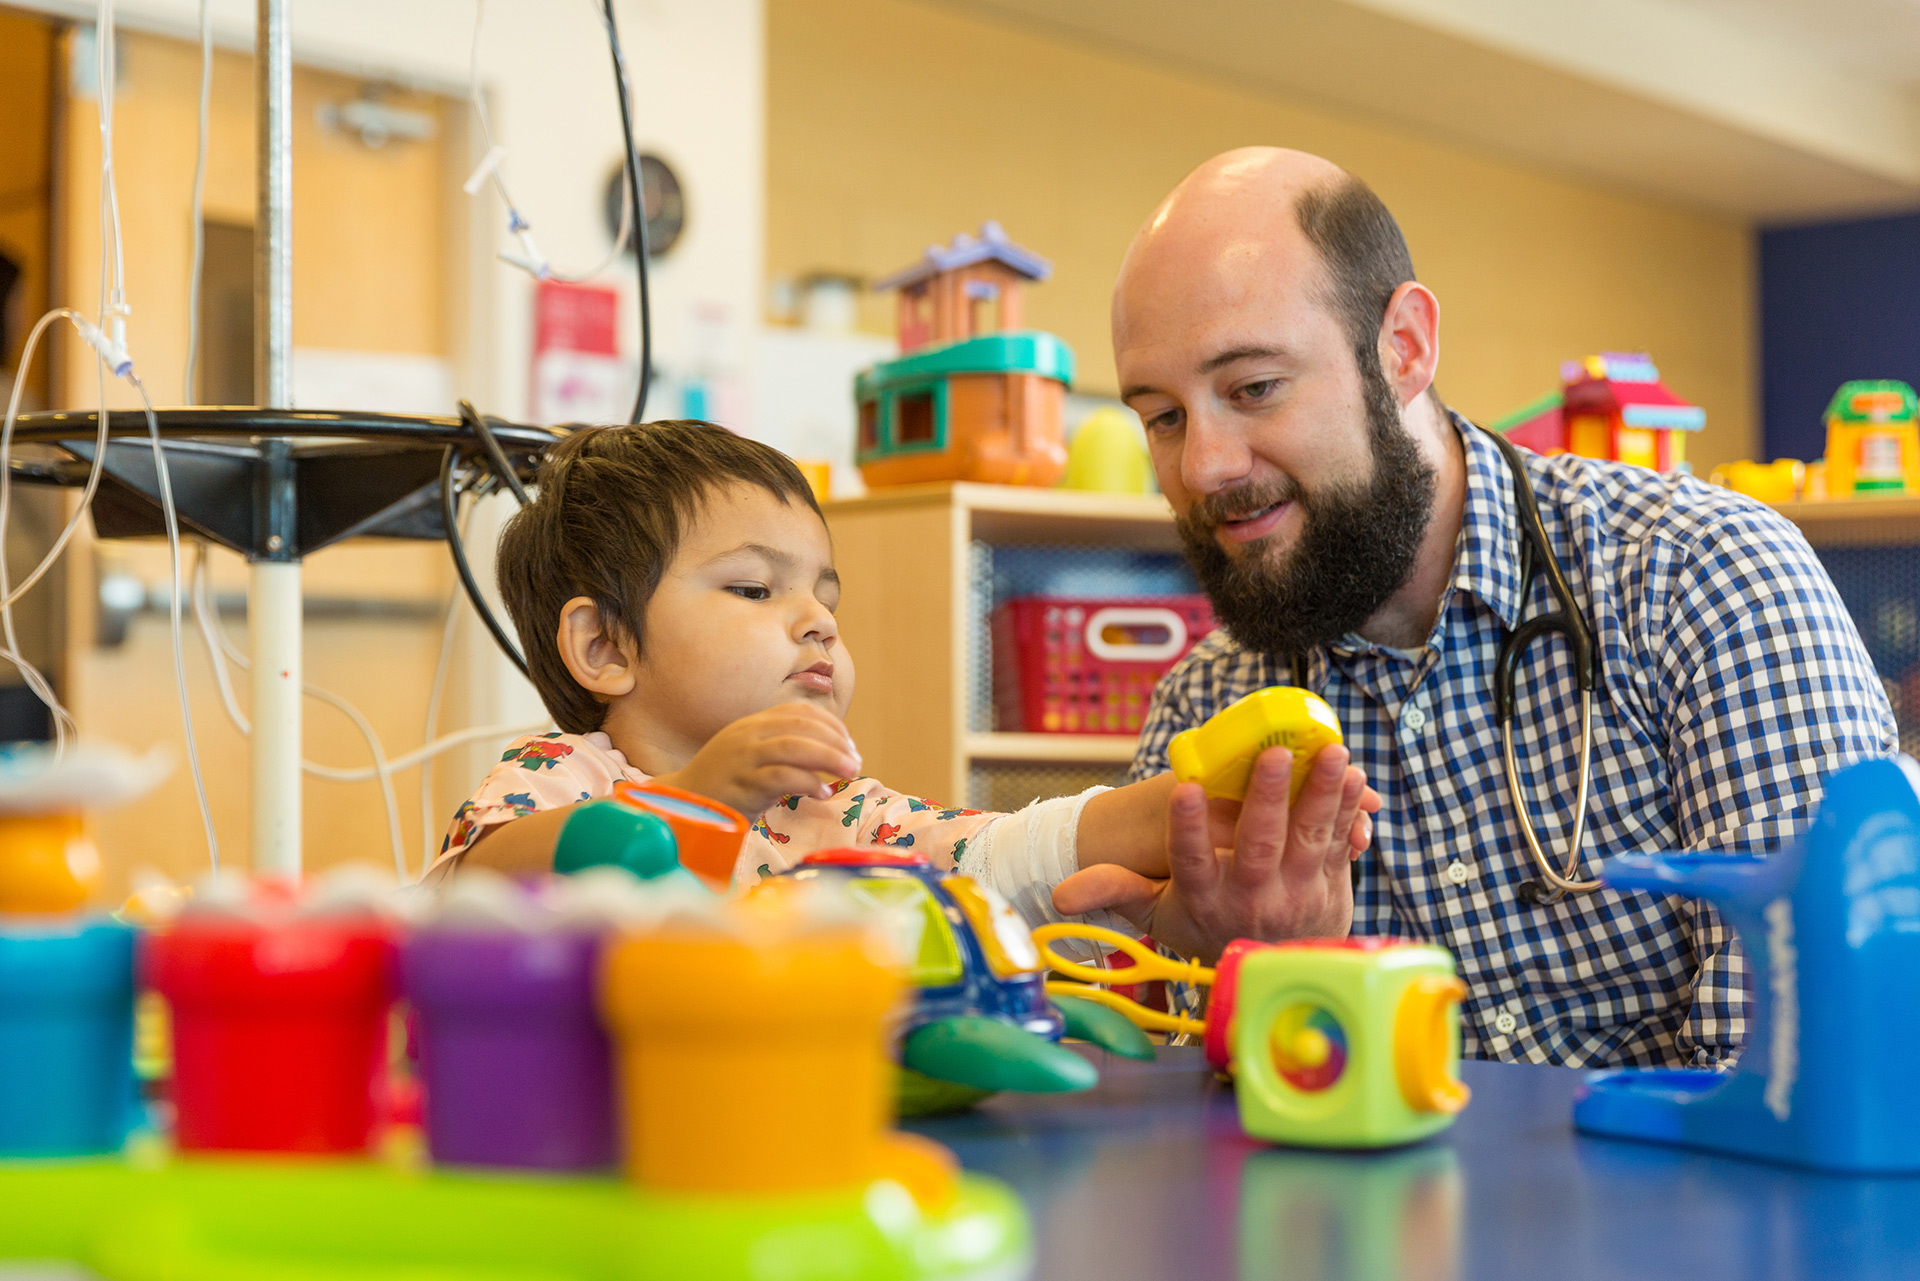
[{"x": 1077, "y": 665}]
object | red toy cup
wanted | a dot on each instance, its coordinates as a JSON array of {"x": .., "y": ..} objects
[{"x": 279, "y": 1031}]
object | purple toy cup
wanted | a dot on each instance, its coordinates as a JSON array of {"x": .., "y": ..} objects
[{"x": 515, "y": 1066}]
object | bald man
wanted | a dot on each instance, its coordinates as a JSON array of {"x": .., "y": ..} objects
[{"x": 1358, "y": 537}]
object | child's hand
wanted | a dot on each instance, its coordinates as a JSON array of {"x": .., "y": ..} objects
[{"x": 795, "y": 748}]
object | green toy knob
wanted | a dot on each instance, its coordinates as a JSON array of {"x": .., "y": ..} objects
[{"x": 608, "y": 834}]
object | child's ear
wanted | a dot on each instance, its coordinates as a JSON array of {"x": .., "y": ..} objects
[{"x": 595, "y": 655}]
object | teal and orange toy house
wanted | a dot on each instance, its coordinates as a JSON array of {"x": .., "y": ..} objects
[
  {"x": 972, "y": 396},
  {"x": 1610, "y": 406}
]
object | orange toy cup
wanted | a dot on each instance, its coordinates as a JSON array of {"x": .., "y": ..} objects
[
  {"x": 47, "y": 864},
  {"x": 750, "y": 1068}
]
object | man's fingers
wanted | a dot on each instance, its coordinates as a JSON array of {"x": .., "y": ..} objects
[
  {"x": 1261, "y": 835},
  {"x": 1191, "y": 857},
  {"x": 1337, "y": 850},
  {"x": 1111, "y": 888},
  {"x": 1362, "y": 837},
  {"x": 1314, "y": 817}
]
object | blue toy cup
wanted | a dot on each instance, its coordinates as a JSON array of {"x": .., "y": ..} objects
[{"x": 66, "y": 1037}]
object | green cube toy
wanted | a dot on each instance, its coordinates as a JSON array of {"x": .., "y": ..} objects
[{"x": 1348, "y": 1044}]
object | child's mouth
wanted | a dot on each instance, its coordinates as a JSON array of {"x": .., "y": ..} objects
[{"x": 818, "y": 678}]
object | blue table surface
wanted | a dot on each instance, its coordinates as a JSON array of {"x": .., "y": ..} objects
[{"x": 1150, "y": 1176}]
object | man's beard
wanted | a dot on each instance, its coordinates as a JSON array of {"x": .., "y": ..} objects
[{"x": 1357, "y": 545}]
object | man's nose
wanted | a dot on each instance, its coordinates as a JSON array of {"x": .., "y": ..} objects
[{"x": 1212, "y": 455}]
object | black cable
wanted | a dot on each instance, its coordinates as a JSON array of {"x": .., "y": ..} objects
[
  {"x": 502, "y": 467},
  {"x": 450, "y": 517},
  {"x": 639, "y": 212}
]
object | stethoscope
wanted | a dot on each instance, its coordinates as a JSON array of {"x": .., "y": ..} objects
[{"x": 1536, "y": 556}]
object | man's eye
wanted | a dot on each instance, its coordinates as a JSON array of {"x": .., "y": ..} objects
[
  {"x": 750, "y": 591},
  {"x": 1258, "y": 391},
  {"x": 1166, "y": 421}
]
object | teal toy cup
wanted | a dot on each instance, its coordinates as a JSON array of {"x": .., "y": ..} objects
[{"x": 66, "y": 1037}]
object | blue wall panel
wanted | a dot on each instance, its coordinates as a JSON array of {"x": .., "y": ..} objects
[{"x": 1837, "y": 301}]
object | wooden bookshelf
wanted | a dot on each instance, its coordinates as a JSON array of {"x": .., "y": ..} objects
[
  {"x": 1856, "y": 522},
  {"x": 903, "y": 555}
]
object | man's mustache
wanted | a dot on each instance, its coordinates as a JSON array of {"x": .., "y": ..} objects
[{"x": 1217, "y": 509}]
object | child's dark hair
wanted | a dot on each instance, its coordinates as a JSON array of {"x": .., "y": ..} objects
[{"x": 612, "y": 504}]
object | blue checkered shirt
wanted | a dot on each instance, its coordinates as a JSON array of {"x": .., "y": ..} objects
[{"x": 1731, "y": 681}]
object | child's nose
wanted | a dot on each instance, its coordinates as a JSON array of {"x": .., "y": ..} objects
[{"x": 816, "y": 623}]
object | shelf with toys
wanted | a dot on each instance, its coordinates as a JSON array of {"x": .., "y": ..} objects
[{"x": 964, "y": 543}]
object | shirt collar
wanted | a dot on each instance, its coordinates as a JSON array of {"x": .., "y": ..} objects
[{"x": 1486, "y": 559}]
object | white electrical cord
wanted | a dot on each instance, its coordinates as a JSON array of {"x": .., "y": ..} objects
[
  {"x": 528, "y": 258},
  {"x": 173, "y": 613},
  {"x": 198, "y": 267}
]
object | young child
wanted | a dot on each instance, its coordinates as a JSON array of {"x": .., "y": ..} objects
[{"x": 674, "y": 592}]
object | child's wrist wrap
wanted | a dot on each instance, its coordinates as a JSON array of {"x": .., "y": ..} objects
[{"x": 605, "y": 833}]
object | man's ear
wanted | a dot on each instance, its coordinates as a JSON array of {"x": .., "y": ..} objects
[
  {"x": 599, "y": 660},
  {"x": 1410, "y": 340}
]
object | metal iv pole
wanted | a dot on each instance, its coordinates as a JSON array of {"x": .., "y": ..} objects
[{"x": 273, "y": 587}]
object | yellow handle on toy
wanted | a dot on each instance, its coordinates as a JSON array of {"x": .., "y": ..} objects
[
  {"x": 1137, "y": 1014},
  {"x": 1148, "y": 964},
  {"x": 1219, "y": 754},
  {"x": 1422, "y": 1044}
]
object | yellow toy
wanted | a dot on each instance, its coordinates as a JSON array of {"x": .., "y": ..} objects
[
  {"x": 1873, "y": 442},
  {"x": 1106, "y": 454},
  {"x": 1779, "y": 481},
  {"x": 1219, "y": 754}
]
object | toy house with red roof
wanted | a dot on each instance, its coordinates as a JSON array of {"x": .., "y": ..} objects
[{"x": 1611, "y": 406}]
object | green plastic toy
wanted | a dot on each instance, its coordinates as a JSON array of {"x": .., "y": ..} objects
[
  {"x": 606, "y": 833},
  {"x": 1348, "y": 1044},
  {"x": 241, "y": 1219}
]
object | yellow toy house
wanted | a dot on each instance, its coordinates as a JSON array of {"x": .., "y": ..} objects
[{"x": 1873, "y": 444}]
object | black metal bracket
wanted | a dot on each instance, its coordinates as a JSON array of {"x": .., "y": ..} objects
[{"x": 273, "y": 485}]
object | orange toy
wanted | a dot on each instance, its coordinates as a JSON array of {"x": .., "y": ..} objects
[
  {"x": 710, "y": 1027},
  {"x": 47, "y": 864}
]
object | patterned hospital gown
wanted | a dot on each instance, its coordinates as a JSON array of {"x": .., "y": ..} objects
[{"x": 545, "y": 771}]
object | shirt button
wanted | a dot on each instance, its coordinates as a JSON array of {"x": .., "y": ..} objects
[
  {"x": 1457, "y": 872},
  {"x": 1413, "y": 718},
  {"x": 1504, "y": 1023}
]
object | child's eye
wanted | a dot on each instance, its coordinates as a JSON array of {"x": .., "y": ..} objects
[{"x": 750, "y": 591}]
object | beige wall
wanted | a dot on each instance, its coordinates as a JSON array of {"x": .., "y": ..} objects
[{"x": 892, "y": 124}]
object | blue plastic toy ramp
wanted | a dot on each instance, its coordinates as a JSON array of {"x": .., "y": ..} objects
[{"x": 1831, "y": 928}]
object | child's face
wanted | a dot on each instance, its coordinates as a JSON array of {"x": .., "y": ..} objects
[{"x": 743, "y": 618}]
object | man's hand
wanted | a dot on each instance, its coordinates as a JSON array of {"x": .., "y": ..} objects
[
  {"x": 795, "y": 748},
  {"x": 1261, "y": 869}
]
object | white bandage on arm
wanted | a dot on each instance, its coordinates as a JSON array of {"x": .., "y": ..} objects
[{"x": 1025, "y": 854}]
